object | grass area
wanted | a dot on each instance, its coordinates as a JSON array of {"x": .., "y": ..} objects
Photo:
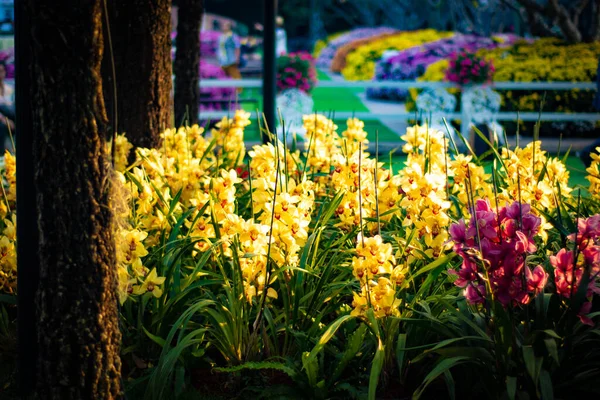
[
  {"x": 372, "y": 126},
  {"x": 577, "y": 172},
  {"x": 322, "y": 75},
  {"x": 336, "y": 99}
]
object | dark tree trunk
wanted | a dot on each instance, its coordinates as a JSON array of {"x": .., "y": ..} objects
[
  {"x": 141, "y": 41},
  {"x": 78, "y": 332},
  {"x": 187, "y": 62}
]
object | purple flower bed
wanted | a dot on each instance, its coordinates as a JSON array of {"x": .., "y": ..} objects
[
  {"x": 8, "y": 56},
  {"x": 411, "y": 63},
  {"x": 224, "y": 97},
  {"x": 326, "y": 56},
  {"x": 209, "y": 41}
]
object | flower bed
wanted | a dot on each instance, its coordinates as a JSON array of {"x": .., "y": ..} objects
[
  {"x": 541, "y": 61},
  {"x": 8, "y": 56},
  {"x": 322, "y": 43},
  {"x": 300, "y": 272},
  {"x": 411, "y": 63},
  {"x": 339, "y": 60},
  {"x": 326, "y": 55},
  {"x": 209, "y": 41},
  {"x": 224, "y": 98},
  {"x": 360, "y": 64}
]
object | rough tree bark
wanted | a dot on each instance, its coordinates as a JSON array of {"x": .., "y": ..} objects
[
  {"x": 78, "y": 332},
  {"x": 187, "y": 62},
  {"x": 141, "y": 32}
]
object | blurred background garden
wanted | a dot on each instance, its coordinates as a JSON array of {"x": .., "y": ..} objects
[{"x": 368, "y": 43}]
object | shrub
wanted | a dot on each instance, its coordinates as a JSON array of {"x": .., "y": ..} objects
[
  {"x": 467, "y": 68},
  {"x": 296, "y": 71}
]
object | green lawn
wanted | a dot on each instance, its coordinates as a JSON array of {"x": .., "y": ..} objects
[
  {"x": 327, "y": 101},
  {"x": 371, "y": 126}
]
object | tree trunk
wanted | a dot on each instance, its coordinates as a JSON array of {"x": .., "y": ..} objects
[
  {"x": 78, "y": 332},
  {"x": 141, "y": 47},
  {"x": 187, "y": 62}
]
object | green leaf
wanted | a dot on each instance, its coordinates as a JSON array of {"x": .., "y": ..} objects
[
  {"x": 511, "y": 387},
  {"x": 373, "y": 322},
  {"x": 552, "y": 349},
  {"x": 493, "y": 148},
  {"x": 433, "y": 265},
  {"x": 8, "y": 299},
  {"x": 400, "y": 354},
  {"x": 156, "y": 339},
  {"x": 179, "y": 380},
  {"x": 450, "y": 385},
  {"x": 354, "y": 344},
  {"x": 546, "y": 386},
  {"x": 376, "y": 367},
  {"x": 533, "y": 364},
  {"x": 260, "y": 366},
  {"x": 462, "y": 317},
  {"x": 331, "y": 330},
  {"x": 325, "y": 216},
  {"x": 439, "y": 369},
  {"x": 309, "y": 364}
]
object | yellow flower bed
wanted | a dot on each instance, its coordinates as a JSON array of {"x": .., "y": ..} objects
[
  {"x": 360, "y": 64},
  {"x": 339, "y": 61},
  {"x": 194, "y": 188},
  {"x": 322, "y": 43},
  {"x": 545, "y": 60}
]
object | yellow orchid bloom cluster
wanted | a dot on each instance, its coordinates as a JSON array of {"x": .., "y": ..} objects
[
  {"x": 470, "y": 182},
  {"x": 535, "y": 179},
  {"x": 8, "y": 254},
  {"x": 10, "y": 175},
  {"x": 594, "y": 175},
  {"x": 150, "y": 199},
  {"x": 185, "y": 143},
  {"x": 323, "y": 143},
  {"x": 422, "y": 184},
  {"x": 8, "y": 222},
  {"x": 122, "y": 150},
  {"x": 375, "y": 268},
  {"x": 183, "y": 166},
  {"x": 264, "y": 160},
  {"x": 354, "y": 136},
  {"x": 229, "y": 135},
  {"x": 215, "y": 199},
  {"x": 133, "y": 275},
  {"x": 281, "y": 200},
  {"x": 358, "y": 184},
  {"x": 252, "y": 247}
]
